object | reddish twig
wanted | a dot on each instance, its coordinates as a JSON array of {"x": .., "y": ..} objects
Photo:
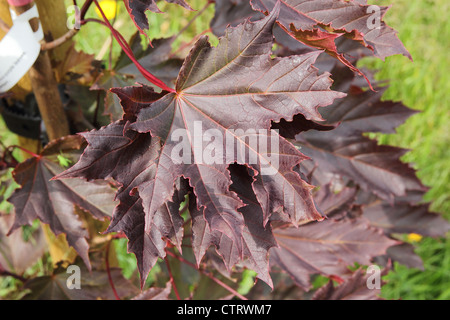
[
  {"x": 126, "y": 48},
  {"x": 25, "y": 150},
  {"x": 171, "y": 279},
  {"x": 108, "y": 271},
  {"x": 85, "y": 8}
]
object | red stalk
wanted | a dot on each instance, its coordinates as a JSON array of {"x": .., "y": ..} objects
[
  {"x": 126, "y": 48},
  {"x": 108, "y": 271},
  {"x": 172, "y": 280},
  {"x": 26, "y": 151}
]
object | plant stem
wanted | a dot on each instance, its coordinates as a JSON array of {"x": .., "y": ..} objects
[
  {"x": 172, "y": 280},
  {"x": 108, "y": 271},
  {"x": 5, "y": 273},
  {"x": 26, "y": 151}
]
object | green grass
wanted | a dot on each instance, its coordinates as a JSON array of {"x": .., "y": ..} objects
[{"x": 423, "y": 85}]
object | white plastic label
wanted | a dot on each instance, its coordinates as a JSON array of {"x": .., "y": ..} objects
[{"x": 19, "y": 49}]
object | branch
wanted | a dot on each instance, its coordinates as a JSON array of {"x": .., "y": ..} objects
[
  {"x": 4, "y": 26},
  {"x": 5, "y": 273},
  {"x": 55, "y": 43}
]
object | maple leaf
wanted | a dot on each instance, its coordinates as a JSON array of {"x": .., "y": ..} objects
[
  {"x": 406, "y": 218},
  {"x": 376, "y": 168},
  {"x": 257, "y": 238},
  {"x": 207, "y": 94},
  {"x": 137, "y": 10},
  {"x": 327, "y": 248},
  {"x": 365, "y": 111},
  {"x": 142, "y": 161},
  {"x": 345, "y": 151},
  {"x": 231, "y": 13},
  {"x": 53, "y": 202},
  {"x": 319, "y": 23}
]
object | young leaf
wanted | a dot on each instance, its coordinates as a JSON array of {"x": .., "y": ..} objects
[
  {"x": 219, "y": 87},
  {"x": 405, "y": 218}
]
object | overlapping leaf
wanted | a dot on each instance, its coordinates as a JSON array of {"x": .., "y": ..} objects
[
  {"x": 355, "y": 288},
  {"x": 406, "y": 218},
  {"x": 233, "y": 86},
  {"x": 257, "y": 238},
  {"x": 346, "y": 151},
  {"x": 53, "y": 202},
  {"x": 358, "y": 21},
  {"x": 154, "y": 58},
  {"x": 327, "y": 248},
  {"x": 319, "y": 23},
  {"x": 231, "y": 13},
  {"x": 227, "y": 90}
]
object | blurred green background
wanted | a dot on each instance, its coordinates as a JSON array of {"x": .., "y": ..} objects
[{"x": 423, "y": 85}]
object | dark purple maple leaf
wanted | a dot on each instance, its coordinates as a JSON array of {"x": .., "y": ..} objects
[
  {"x": 319, "y": 23},
  {"x": 53, "y": 202},
  {"x": 130, "y": 158},
  {"x": 223, "y": 89},
  {"x": 257, "y": 237},
  {"x": 327, "y": 248},
  {"x": 124, "y": 73}
]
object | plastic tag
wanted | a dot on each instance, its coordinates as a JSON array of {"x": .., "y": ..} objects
[{"x": 19, "y": 49}]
